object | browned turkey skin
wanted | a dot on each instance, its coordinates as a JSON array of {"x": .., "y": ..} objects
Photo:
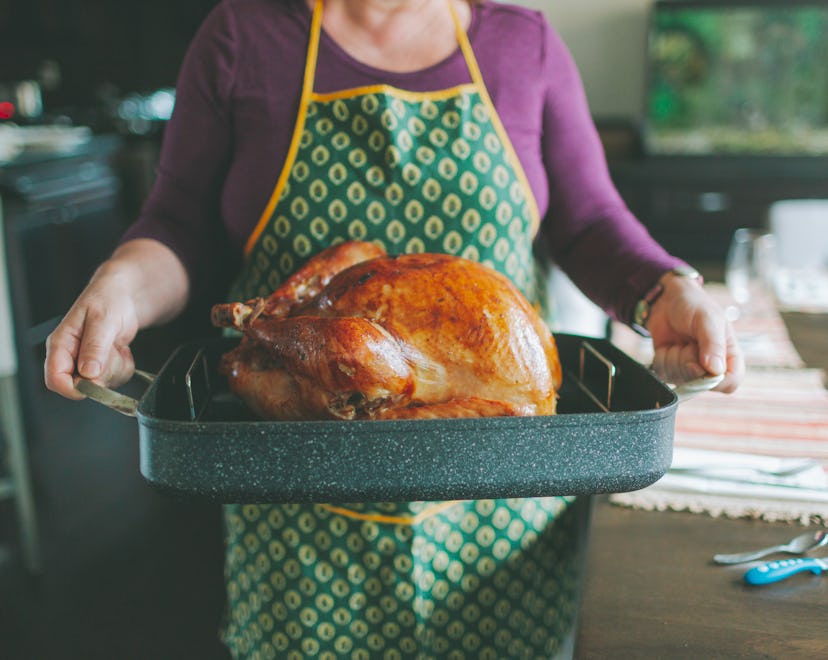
[{"x": 358, "y": 334}]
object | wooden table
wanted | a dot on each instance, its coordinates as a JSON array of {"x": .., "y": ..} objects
[{"x": 652, "y": 591}]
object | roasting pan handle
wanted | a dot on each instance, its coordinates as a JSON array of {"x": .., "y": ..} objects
[
  {"x": 691, "y": 388},
  {"x": 118, "y": 402}
]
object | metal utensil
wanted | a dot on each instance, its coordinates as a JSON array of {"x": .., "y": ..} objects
[
  {"x": 691, "y": 388},
  {"x": 796, "y": 546},
  {"x": 774, "y": 571},
  {"x": 709, "y": 468}
]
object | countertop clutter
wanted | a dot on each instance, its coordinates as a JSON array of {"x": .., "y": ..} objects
[{"x": 22, "y": 141}]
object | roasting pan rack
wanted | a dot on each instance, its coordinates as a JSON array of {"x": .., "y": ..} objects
[
  {"x": 199, "y": 393},
  {"x": 613, "y": 433}
]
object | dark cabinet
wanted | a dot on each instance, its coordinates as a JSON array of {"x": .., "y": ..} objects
[
  {"x": 62, "y": 215},
  {"x": 693, "y": 205}
]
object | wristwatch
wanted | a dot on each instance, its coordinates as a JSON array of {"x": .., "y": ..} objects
[{"x": 643, "y": 307}]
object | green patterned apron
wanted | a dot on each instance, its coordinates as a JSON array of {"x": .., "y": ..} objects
[{"x": 413, "y": 172}]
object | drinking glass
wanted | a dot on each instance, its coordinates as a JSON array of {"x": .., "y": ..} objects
[{"x": 749, "y": 267}]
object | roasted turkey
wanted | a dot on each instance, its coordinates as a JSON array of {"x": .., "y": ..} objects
[{"x": 358, "y": 334}]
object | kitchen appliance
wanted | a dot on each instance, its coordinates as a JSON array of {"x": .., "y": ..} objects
[
  {"x": 60, "y": 215},
  {"x": 21, "y": 100}
]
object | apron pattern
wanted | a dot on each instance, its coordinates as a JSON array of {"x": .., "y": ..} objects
[
  {"x": 484, "y": 580},
  {"x": 425, "y": 175}
]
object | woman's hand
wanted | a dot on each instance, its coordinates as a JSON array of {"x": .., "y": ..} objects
[
  {"x": 692, "y": 337},
  {"x": 143, "y": 283},
  {"x": 92, "y": 341}
]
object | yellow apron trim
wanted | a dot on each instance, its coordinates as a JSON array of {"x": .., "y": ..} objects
[
  {"x": 477, "y": 77},
  {"x": 307, "y": 90},
  {"x": 396, "y": 91},
  {"x": 391, "y": 520}
]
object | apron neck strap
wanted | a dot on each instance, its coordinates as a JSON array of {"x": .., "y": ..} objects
[
  {"x": 313, "y": 51},
  {"x": 465, "y": 47},
  {"x": 316, "y": 31}
]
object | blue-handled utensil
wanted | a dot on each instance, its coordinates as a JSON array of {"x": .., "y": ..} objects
[{"x": 773, "y": 571}]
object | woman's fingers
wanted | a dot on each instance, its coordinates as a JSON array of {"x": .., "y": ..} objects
[
  {"x": 678, "y": 363},
  {"x": 716, "y": 350},
  {"x": 711, "y": 336},
  {"x": 97, "y": 342},
  {"x": 120, "y": 366},
  {"x": 692, "y": 337},
  {"x": 89, "y": 343},
  {"x": 735, "y": 370},
  {"x": 61, "y": 348}
]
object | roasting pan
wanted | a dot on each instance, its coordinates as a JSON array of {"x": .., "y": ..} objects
[{"x": 613, "y": 433}]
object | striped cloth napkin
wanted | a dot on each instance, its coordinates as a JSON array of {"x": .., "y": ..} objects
[{"x": 777, "y": 419}]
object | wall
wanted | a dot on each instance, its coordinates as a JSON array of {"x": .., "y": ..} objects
[{"x": 607, "y": 40}]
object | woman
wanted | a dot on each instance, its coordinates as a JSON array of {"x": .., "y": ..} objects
[{"x": 426, "y": 125}]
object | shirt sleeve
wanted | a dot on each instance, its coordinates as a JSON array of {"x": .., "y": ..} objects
[
  {"x": 182, "y": 210},
  {"x": 590, "y": 232}
]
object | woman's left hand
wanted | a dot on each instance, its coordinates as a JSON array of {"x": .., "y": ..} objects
[{"x": 692, "y": 337}]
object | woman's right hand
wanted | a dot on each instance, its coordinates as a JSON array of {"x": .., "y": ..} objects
[
  {"x": 143, "y": 283},
  {"x": 92, "y": 341}
]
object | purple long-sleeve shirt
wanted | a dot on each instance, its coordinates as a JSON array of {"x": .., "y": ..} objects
[{"x": 236, "y": 103}]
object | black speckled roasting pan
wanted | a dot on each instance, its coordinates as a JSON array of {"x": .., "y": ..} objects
[{"x": 197, "y": 439}]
